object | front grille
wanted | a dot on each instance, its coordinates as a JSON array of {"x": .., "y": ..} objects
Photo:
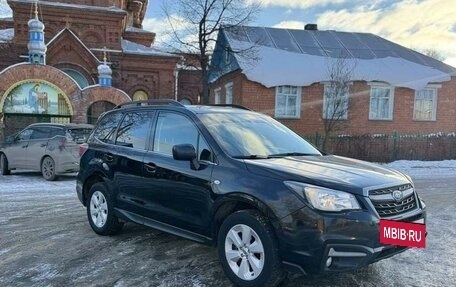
[{"x": 387, "y": 206}]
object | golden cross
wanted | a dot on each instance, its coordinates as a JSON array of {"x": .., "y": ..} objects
[
  {"x": 67, "y": 21},
  {"x": 104, "y": 55},
  {"x": 36, "y": 9}
]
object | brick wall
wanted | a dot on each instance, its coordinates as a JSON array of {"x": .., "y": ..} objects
[{"x": 259, "y": 98}]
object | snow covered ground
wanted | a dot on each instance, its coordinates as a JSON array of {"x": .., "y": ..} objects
[
  {"x": 416, "y": 168},
  {"x": 45, "y": 240}
]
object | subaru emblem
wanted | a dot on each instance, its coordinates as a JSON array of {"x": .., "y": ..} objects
[{"x": 397, "y": 195}]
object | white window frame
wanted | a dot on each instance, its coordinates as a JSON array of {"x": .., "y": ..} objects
[
  {"x": 391, "y": 101},
  {"x": 229, "y": 96},
  {"x": 434, "y": 104},
  {"x": 325, "y": 102},
  {"x": 217, "y": 96},
  {"x": 298, "y": 102}
]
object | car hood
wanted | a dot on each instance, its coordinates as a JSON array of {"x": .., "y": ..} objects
[{"x": 340, "y": 173}]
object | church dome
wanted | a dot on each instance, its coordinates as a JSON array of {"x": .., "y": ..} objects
[
  {"x": 104, "y": 70},
  {"x": 35, "y": 24}
]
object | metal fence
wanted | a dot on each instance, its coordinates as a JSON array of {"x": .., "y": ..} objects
[{"x": 387, "y": 148}]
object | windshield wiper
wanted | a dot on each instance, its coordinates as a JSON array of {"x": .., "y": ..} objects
[
  {"x": 251, "y": 156},
  {"x": 291, "y": 154}
]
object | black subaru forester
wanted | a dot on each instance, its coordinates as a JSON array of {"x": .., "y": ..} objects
[{"x": 241, "y": 181}]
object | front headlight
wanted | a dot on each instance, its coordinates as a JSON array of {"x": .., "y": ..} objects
[{"x": 324, "y": 199}]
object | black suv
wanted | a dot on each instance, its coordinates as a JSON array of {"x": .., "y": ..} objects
[{"x": 241, "y": 181}]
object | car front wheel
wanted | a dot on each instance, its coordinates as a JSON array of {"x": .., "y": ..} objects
[
  {"x": 4, "y": 165},
  {"x": 100, "y": 211},
  {"x": 248, "y": 251}
]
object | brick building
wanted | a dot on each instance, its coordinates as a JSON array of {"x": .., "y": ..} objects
[
  {"x": 290, "y": 75},
  {"x": 76, "y": 34}
]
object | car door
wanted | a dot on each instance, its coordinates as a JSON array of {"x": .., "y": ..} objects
[
  {"x": 175, "y": 193},
  {"x": 36, "y": 147},
  {"x": 130, "y": 145},
  {"x": 16, "y": 151}
]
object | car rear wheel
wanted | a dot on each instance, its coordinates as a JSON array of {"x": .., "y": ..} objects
[
  {"x": 100, "y": 211},
  {"x": 48, "y": 169},
  {"x": 4, "y": 165},
  {"x": 248, "y": 251}
]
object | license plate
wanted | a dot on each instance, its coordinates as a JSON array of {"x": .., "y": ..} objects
[{"x": 410, "y": 234}]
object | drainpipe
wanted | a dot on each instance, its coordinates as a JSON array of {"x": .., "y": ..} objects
[{"x": 176, "y": 81}]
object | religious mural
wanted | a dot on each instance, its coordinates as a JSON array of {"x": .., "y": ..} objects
[{"x": 35, "y": 97}]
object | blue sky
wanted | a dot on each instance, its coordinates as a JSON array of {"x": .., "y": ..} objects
[{"x": 416, "y": 24}]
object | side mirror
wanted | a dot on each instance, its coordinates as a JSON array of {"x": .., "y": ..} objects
[{"x": 186, "y": 152}]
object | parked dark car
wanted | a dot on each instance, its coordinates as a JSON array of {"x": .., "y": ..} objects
[
  {"x": 243, "y": 182},
  {"x": 50, "y": 148}
]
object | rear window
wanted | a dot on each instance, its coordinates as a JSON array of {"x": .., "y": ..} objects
[{"x": 79, "y": 135}]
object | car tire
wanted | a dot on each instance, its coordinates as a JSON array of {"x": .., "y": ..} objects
[
  {"x": 100, "y": 211},
  {"x": 48, "y": 169},
  {"x": 248, "y": 250},
  {"x": 4, "y": 165}
]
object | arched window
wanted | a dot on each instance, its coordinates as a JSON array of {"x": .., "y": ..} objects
[
  {"x": 96, "y": 109},
  {"x": 78, "y": 77},
  {"x": 140, "y": 95},
  {"x": 185, "y": 102}
]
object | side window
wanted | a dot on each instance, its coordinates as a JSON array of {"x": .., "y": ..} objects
[
  {"x": 173, "y": 129},
  {"x": 56, "y": 132},
  {"x": 134, "y": 130},
  {"x": 40, "y": 133},
  {"x": 106, "y": 128},
  {"x": 24, "y": 135}
]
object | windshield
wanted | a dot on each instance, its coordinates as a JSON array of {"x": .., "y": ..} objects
[{"x": 253, "y": 135}]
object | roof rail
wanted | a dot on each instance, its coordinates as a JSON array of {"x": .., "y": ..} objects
[
  {"x": 230, "y": 105},
  {"x": 151, "y": 102}
]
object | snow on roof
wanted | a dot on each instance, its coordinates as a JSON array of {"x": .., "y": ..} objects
[
  {"x": 137, "y": 30},
  {"x": 303, "y": 57},
  {"x": 6, "y": 35},
  {"x": 78, "y": 6},
  {"x": 129, "y": 47},
  {"x": 7, "y": 19}
]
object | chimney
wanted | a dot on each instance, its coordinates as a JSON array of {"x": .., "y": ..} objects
[{"x": 311, "y": 27}]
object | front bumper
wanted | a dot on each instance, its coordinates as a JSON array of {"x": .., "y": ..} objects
[{"x": 316, "y": 242}]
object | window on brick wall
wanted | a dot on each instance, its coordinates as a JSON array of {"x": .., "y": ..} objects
[
  {"x": 335, "y": 101},
  {"x": 381, "y": 103},
  {"x": 425, "y": 104},
  {"x": 229, "y": 93},
  {"x": 288, "y": 102},
  {"x": 217, "y": 93}
]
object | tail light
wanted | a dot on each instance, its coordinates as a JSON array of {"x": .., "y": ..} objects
[{"x": 82, "y": 149}]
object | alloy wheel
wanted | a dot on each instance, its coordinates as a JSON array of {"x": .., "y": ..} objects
[
  {"x": 98, "y": 209},
  {"x": 244, "y": 252},
  {"x": 48, "y": 168}
]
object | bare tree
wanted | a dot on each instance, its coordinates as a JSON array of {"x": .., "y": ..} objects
[
  {"x": 336, "y": 95},
  {"x": 194, "y": 25},
  {"x": 433, "y": 54}
]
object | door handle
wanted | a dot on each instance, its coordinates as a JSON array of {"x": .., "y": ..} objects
[
  {"x": 43, "y": 145},
  {"x": 25, "y": 146},
  {"x": 150, "y": 167},
  {"x": 109, "y": 157}
]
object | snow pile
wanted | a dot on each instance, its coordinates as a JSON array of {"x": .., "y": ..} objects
[
  {"x": 423, "y": 168},
  {"x": 6, "y": 34}
]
